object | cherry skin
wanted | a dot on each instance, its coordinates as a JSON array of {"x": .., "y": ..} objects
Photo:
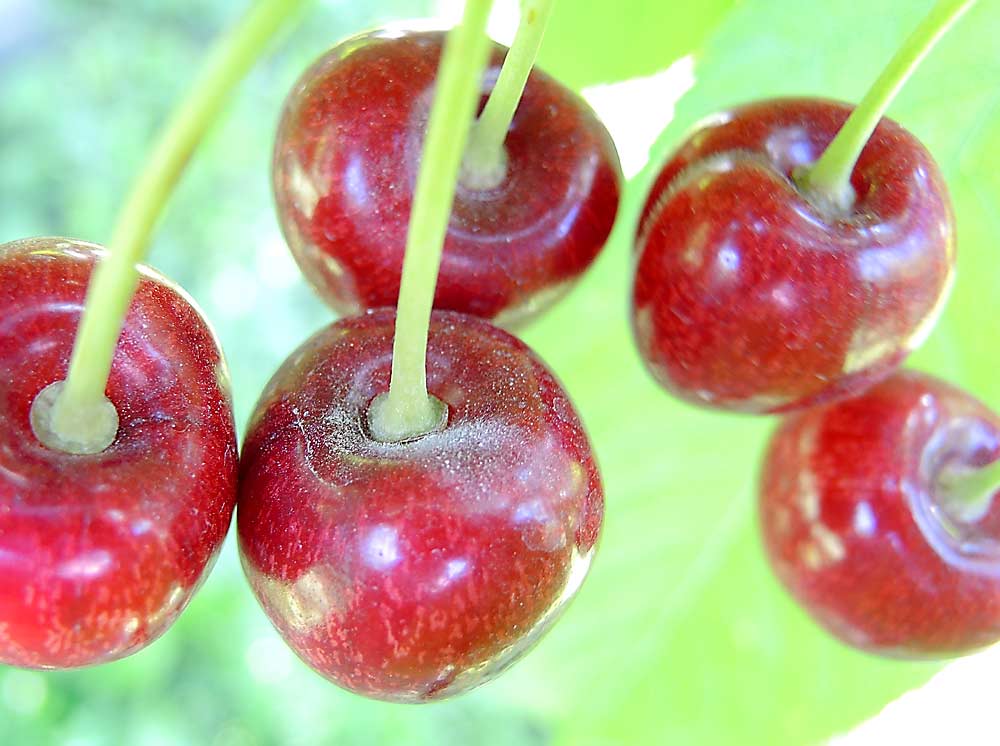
[
  {"x": 750, "y": 295},
  {"x": 346, "y": 161},
  {"x": 862, "y": 525},
  {"x": 414, "y": 571},
  {"x": 100, "y": 553}
]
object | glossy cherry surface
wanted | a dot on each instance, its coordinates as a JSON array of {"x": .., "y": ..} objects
[
  {"x": 346, "y": 161},
  {"x": 100, "y": 553},
  {"x": 861, "y": 523},
  {"x": 414, "y": 571},
  {"x": 749, "y": 296}
]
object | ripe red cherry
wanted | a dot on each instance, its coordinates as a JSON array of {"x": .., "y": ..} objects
[
  {"x": 346, "y": 161},
  {"x": 414, "y": 571},
  {"x": 863, "y": 524},
  {"x": 100, "y": 553},
  {"x": 749, "y": 296}
]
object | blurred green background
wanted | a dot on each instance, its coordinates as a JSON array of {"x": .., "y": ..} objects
[{"x": 680, "y": 636}]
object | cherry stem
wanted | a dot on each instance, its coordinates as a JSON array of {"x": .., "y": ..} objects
[
  {"x": 408, "y": 410},
  {"x": 485, "y": 164},
  {"x": 829, "y": 179},
  {"x": 969, "y": 492},
  {"x": 76, "y": 416}
]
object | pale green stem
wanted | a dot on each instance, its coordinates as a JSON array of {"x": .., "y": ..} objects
[
  {"x": 407, "y": 410},
  {"x": 829, "y": 180},
  {"x": 968, "y": 492},
  {"x": 485, "y": 163},
  {"x": 115, "y": 278}
]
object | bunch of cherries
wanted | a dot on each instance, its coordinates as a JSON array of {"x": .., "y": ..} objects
[
  {"x": 790, "y": 255},
  {"x": 417, "y": 499}
]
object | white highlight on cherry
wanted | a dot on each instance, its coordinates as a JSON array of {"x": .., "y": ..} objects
[{"x": 380, "y": 547}]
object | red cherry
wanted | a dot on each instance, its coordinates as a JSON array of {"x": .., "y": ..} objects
[
  {"x": 100, "y": 553},
  {"x": 346, "y": 163},
  {"x": 748, "y": 296},
  {"x": 414, "y": 571},
  {"x": 862, "y": 527}
]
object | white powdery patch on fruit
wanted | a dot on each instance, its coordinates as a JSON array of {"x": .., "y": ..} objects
[
  {"x": 958, "y": 706},
  {"x": 317, "y": 594},
  {"x": 637, "y": 110}
]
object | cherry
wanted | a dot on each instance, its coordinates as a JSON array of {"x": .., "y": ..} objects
[
  {"x": 875, "y": 520},
  {"x": 415, "y": 570},
  {"x": 100, "y": 553},
  {"x": 751, "y": 295},
  {"x": 346, "y": 162}
]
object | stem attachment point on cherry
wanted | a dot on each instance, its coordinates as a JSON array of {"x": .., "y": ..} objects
[
  {"x": 409, "y": 421},
  {"x": 74, "y": 414},
  {"x": 408, "y": 410},
  {"x": 828, "y": 181},
  {"x": 967, "y": 493},
  {"x": 77, "y": 430},
  {"x": 485, "y": 162}
]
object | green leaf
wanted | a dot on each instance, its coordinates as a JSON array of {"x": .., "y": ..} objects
[
  {"x": 608, "y": 40},
  {"x": 681, "y": 635}
]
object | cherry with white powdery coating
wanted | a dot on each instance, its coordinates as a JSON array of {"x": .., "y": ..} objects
[{"x": 417, "y": 570}]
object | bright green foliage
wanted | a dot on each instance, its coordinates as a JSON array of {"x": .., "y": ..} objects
[
  {"x": 680, "y": 636},
  {"x": 600, "y": 41}
]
